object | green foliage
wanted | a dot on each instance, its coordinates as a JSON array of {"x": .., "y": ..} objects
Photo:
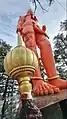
[
  {"x": 4, "y": 48},
  {"x": 63, "y": 26},
  {"x": 43, "y": 73},
  {"x": 9, "y": 93},
  {"x": 60, "y": 51}
]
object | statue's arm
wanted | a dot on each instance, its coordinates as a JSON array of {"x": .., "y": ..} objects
[{"x": 37, "y": 29}]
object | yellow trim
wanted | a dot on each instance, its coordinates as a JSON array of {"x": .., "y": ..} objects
[
  {"x": 36, "y": 78},
  {"x": 54, "y": 77},
  {"x": 22, "y": 70}
]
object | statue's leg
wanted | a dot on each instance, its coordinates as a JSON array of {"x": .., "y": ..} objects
[
  {"x": 39, "y": 86},
  {"x": 49, "y": 64}
]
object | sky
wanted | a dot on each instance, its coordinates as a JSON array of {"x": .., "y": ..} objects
[{"x": 10, "y": 10}]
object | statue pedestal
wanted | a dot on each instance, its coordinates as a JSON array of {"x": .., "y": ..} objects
[{"x": 53, "y": 106}]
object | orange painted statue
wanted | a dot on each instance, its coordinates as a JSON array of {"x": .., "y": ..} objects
[{"x": 34, "y": 36}]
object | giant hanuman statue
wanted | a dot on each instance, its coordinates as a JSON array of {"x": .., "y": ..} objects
[{"x": 33, "y": 36}]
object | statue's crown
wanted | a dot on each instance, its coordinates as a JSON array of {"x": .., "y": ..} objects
[{"x": 30, "y": 11}]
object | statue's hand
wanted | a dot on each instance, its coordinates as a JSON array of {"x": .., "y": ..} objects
[
  {"x": 44, "y": 28},
  {"x": 40, "y": 88}
]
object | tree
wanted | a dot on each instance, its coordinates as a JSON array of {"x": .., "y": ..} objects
[
  {"x": 63, "y": 25},
  {"x": 43, "y": 72},
  {"x": 4, "y": 48},
  {"x": 8, "y": 87},
  {"x": 35, "y": 2},
  {"x": 60, "y": 51}
]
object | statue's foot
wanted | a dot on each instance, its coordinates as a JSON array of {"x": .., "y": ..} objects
[
  {"x": 40, "y": 88},
  {"x": 59, "y": 83}
]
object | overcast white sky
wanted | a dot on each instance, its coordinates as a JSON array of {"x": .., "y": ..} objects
[{"x": 10, "y": 10}]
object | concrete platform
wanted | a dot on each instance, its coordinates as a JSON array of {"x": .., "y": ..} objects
[
  {"x": 48, "y": 100},
  {"x": 53, "y": 106}
]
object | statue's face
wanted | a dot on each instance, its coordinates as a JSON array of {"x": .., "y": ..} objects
[{"x": 30, "y": 12}]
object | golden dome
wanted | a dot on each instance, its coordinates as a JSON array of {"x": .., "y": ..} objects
[{"x": 18, "y": 60}]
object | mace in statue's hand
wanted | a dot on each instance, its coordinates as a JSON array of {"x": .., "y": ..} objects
[{"x": 40, "y": 88}]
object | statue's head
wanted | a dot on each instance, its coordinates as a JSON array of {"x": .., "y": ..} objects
[{"x": 30, "y": 12}]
